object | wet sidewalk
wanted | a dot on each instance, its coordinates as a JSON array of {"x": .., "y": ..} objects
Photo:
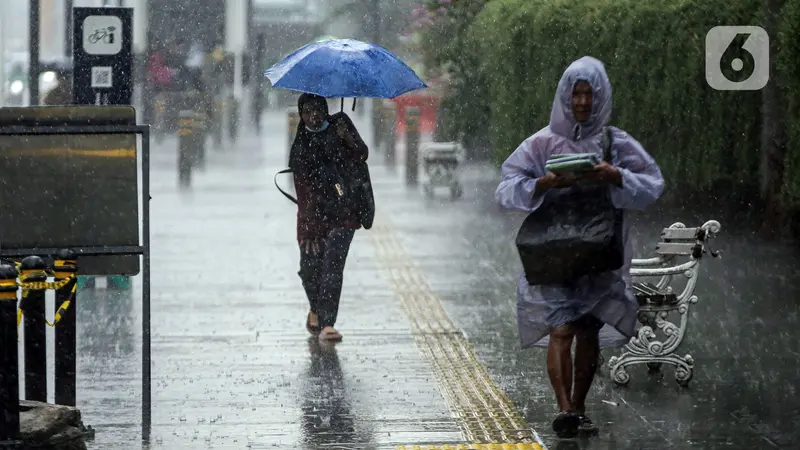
[
  {"x": 233, "y": 366},
  {"x": 430, "y": 354}
]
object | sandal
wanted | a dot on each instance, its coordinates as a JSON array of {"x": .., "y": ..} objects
[
  {"x": 330, "y": 334},
  {"x": 566, "y": 425},
  {"x": 313, "y": 329},
  {"x": 586, "y": 426}
]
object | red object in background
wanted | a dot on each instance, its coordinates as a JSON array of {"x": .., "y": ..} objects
[
  {"x": 426, "y": 100},
  {"x": 160, "y": 73}
]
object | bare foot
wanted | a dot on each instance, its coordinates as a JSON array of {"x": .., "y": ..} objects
[
  {"x": 330, "y": 334},
  {"x": 312, "y": 323}
]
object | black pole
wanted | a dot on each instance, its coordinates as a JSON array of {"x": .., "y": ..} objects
[
  {"x": 390, "y": 127},
  {"x": 68, "y": 5},
  {"x": 186, "y": 145},
  {"x": 33, "y": 49},
  {"x": 66, "y": 342},
  {"x": 257, "y": 77},
  {"x": 412, "y": 145},
  {"x": 9, "y": 358},
  {"x": 32, "y": 269}
]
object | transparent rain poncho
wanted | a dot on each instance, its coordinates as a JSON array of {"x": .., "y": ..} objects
[{"x": 608, "y": 296}]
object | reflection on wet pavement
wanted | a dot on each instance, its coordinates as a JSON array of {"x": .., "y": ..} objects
[{"x": 326, "y": 410}]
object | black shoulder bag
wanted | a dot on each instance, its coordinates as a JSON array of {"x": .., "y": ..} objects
[{"x": 574, "y": 233}]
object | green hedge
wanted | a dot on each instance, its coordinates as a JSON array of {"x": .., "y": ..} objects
[
  {"x": 789, "y": 70},
  {"x": 654, "y": 51}
]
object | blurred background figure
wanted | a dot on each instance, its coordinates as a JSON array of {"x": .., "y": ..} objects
[
  {"x": 192, "y": 70},
  {"x": 160, "y": 79}
]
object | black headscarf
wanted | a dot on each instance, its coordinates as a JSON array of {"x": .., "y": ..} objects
[
  {"x": 316, "y": 154},
  {"x": 309, "y": 149}
]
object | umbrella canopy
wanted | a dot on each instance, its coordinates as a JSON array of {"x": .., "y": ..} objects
[{"x": 344, "y": 68}]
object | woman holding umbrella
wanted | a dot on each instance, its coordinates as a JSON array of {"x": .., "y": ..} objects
[
  {"x": 324, "y": 228},
  {"x": 333, "y": 68}
]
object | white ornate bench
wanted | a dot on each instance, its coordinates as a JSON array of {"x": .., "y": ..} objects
[{"x": 659, "y": 336}]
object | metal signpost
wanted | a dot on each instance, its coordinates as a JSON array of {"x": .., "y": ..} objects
[
  {"x": 71, "y": 181},
  {"x": 102, "y": 55}
]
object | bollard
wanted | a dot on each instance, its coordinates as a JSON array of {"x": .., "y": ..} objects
[
  {"x": 215, "y": 125},
  {"x": 233, "y": 119},
  {"x": 199, "y": 137},
  {"x": 198, "y": 102},
  {"x": 159, "y": 112},
  {"x": 412, "y": 145},
  {"x": 378, "y": 124},
  {"x": 66, "y": 345},
  {"x": 390, "y": 127},
  {"x": 186, "y": 145},
  {"x": 294, "y": 120},
  {"x": 381, "y": 126},
  {"x": 32, "y": 305},
  {"x": 9, "y": 358}
]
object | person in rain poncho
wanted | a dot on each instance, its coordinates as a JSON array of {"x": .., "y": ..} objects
[{"x": 596, "y": 311}]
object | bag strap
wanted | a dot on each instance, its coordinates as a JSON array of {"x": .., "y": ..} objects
[
  {"x": 285, "y": 194},
  {"x": 608, "y": 140}
]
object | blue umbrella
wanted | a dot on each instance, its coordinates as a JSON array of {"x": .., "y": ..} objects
[{"x": 344, "y": 68}]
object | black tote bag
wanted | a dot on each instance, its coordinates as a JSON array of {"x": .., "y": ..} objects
[
  {"x": 359, "y": 197},
  {"x": 363, "y": 199},
  {"x": 575, "y": 233}
]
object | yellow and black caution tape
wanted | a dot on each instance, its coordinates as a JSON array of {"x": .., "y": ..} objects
[
  {"x": 59, "y": 313},
  {"x": 41, "y": 286},
  {"x": 26, "y": 286},
  {"x": 63, "y": 308}
]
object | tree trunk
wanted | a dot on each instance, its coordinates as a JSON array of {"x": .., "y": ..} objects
[{"x": 773, "y": 129}]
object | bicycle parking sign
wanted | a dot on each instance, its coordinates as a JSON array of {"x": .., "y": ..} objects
[
  {"x": 102, "y": 55},
  {"x": 101, "y": 35}
]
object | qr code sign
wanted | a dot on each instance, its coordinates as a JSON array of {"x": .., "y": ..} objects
[{"x": 101, "y": 77}]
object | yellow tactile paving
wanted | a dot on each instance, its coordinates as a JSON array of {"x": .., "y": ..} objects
[
  {"x": 487, "y": 417},
  {"x": 472, "y": 447}
]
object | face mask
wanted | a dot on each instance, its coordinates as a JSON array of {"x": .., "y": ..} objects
[{"x": 321, "y": 128}]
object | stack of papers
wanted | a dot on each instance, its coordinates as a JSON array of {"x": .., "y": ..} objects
[{"x": 572, "y": 162}]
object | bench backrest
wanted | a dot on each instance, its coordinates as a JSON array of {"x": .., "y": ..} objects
[
  {"x": 678, "y": 241},
  {"x": 682, "y": 242}
]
